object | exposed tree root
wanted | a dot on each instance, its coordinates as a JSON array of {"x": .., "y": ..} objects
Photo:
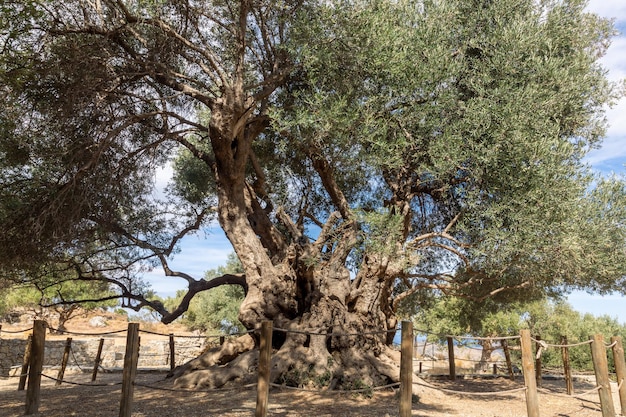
[
  {"x": 218, "y": 366},
  {"x": 239, "y": 369},
  {"x": 300, "y": 361}
]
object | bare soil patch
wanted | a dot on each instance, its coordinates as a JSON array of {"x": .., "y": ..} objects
[{"x": 154, "y": 397}]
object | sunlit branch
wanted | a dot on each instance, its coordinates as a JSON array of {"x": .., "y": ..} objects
[{"x": 204, "y": 52}]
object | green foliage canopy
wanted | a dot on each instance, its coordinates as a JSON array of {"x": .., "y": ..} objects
[
  {"x": 474, "y": 117},
  {"x": 440, "y": 140}
]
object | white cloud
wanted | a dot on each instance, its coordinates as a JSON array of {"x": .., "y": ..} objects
[
  {"x": 617, "y": 121},
  {"x": 614, "y": 60},
  {"x": 611, "y": 157},
  {"x": 200, "y": 253},
  {"x": 163, "y": 175},
  {"x": 608, "y": 8},
  {"x": 614, "y": 145}
]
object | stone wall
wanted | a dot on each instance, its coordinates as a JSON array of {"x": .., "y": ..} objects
[{"x": 153, "y": 353}]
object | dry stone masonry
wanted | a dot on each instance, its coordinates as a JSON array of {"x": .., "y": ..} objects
[{"x": 153, "y": 353}]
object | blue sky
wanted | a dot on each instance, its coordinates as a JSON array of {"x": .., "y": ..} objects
[{"x": 209, "y": 250}]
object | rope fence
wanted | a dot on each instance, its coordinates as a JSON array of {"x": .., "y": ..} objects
[
  {"x": 472, "y": 393},
  {"x": 15, "y": 331},
  {"x": 65, "y": 381},
  {"x": 63, "y": 331},
  {"x": 32, "y": 369},
  {"x": 333, "y": 334}
]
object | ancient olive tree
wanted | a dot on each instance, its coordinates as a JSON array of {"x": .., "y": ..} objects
[{"x": 355, "y": 153}]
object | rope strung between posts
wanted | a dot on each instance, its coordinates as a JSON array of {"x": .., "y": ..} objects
[
  {"x": 486, "y": 393},
  {"x": 542, "y": 345},
  {"x": 214, "y": 336},
  {"x": 75, "y": 360},
  {"x": 350, "y": 391},
  {"x": 551, "y": 345},
  {"x": 484, "y": 338},
  {"x": 332, "y": 334},
  {"x": 16, "y": 331},
  {"x": 557, "y": 394},
  {"x": 443, "y": 336},
  {"x": 59, "y": 331},
  {"x": 112, "y": 384},
  {"x": 611, "y": 345},
  {"x": 17, "y": 376},
  {"x": 187, "y": 336},
  {"x": 496, "y": 362}
]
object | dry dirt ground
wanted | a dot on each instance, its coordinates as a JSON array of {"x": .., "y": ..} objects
[
  {"x": 102, "y": 399},
  {"x": 154, "y": 397}
]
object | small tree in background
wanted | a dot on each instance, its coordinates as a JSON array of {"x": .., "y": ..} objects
[
  {"x": 216, "y": 310},
  {"x": 50, "y": 302},
  {"x": 552, "y": 320},
  {"x": 545, "y": 318}
]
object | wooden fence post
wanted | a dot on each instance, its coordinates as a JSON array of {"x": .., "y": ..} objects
[
  {"x": 131, "y": 358},
  {"x": 601, "y": 368},
  {"x": 33, "y": 391},
  {"x": 172, "y": 353},
  {"x": 66, "y": 356},
  {"x": 538, "y": 377},
  {"x": 406, "y": 369},
  {"x": 620, "y": 370},
  {"x": 532, "y": 400},
  {"x": 567, "y": 367},
  {"x": 96, "y": 364},
  {"x": 507, "y": 356},
  {"x": 451, "y": 358},
  {"x": 265, "y": 357},
  {"x": 25, "y": 362}
]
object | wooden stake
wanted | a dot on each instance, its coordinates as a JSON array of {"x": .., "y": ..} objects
[
  {"x": 66, "y": 356},
  {"x": 131, "y": 358},
  {"x": 601, "y": 368},
  {"x": 25, "y": 363},
  {"x": 265, "y": 356},
  {"x": 620, "y": 370},
  {"x": 172, "y": 353},
  {"x": 567, "y": 367},
  {"x": 33, "y": 391},
  {"x": 538, "y": 377},
  {"x": 406, "y": 369},
  {"x": 98, "y": 360},
  {"x": 451, "y": 358},
  {"x": 532, "y": 400},
  {"x": 507, "y": 356}
]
